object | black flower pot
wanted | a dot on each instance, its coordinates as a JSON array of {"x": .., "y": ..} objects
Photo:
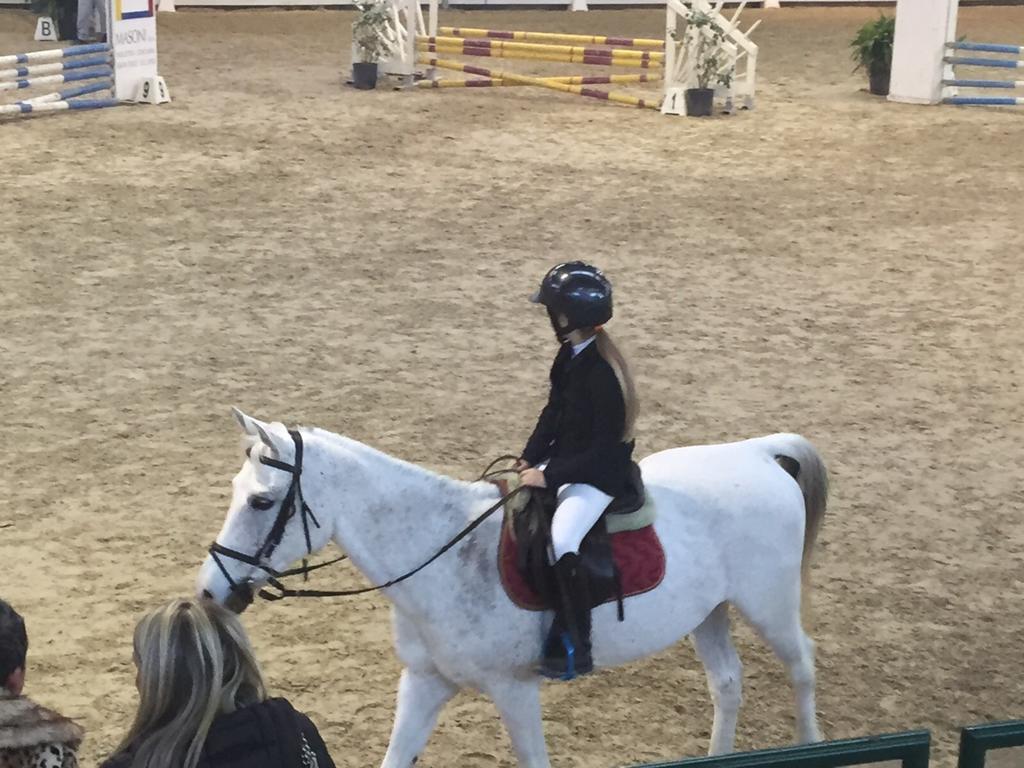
[
  {"x": 878, "y": 80},
  {"x": 699, "y": 101},
  {"x": 364, "y": 75}
]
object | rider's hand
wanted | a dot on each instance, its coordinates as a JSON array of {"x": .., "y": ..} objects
[
  {"x": 534, "y": 478},
  {"x": 521, "y": 464}
]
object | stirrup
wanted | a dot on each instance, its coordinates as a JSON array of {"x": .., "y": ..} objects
[
  {"x": 570, "y": 657},
  {"x": 570, "y": 672}
]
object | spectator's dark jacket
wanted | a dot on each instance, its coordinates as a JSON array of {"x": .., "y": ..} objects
[{"x": 270, "y": 734}]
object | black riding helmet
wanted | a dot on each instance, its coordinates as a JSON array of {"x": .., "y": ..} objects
[{"x": 580, "y": 292}]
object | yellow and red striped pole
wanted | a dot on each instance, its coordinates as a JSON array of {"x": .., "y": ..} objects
[
  {"x": 553, "y": 37},
  {"x": 590, "y": 93},
  {"x": 489, "y": 82},
  {"x": 592, "y": 59},
  {"x": 566, "y": 50}
]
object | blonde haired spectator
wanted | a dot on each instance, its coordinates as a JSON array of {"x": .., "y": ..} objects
[{"x": 203, "y": 702}]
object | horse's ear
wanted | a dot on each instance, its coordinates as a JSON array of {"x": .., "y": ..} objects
[
  {"x": 255, "y": 428},
  {"x": 247, "y": 424},
  {"x": 267, "y": 440}
]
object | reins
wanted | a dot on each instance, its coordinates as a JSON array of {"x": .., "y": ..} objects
[
  {"x": 490, "y": 472},
  {"x": 284, "y": 592},
  {"x": 294, "y": 502}
]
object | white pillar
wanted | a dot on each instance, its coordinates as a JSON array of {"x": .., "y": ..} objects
[
  {"x": 412, "y": 12},
  {"x": 432, "y": 16},
  {"x": 430, "y": 73},
  {"x": 923, "y": 27}
]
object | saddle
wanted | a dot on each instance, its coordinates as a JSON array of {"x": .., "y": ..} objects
[{"x": 621, "y": 554}]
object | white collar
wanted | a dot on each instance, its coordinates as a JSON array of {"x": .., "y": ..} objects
[{"x": 577, "y": 348}]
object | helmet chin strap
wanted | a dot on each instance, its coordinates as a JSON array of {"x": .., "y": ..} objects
[{"x": 562, "y": 334}]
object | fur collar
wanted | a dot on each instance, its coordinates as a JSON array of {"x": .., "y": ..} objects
[{"x": 23, "y": 723}]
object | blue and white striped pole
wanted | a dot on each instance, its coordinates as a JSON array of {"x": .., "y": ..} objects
[
  {"x": 25, "y": 108},
  {"x": 56, "y": 53},
  {"x": 985, "y": 101},
  {"x": 47, "y": 69},
  {"x": 1009, "y": 84},
  {"x": 70, "y": 77},
  {"x": 987, "y": 47},
  {"x": 983, "y": 62},
  {"x": 70, "y": 93}
]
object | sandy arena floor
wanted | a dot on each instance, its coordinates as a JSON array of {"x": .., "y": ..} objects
[{"x": 828, "y": 263}]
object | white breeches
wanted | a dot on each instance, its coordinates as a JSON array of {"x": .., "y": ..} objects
[{"x": 579, "y": 507}]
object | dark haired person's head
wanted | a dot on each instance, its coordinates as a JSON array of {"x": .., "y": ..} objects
[{"x": 13, "y": 648}]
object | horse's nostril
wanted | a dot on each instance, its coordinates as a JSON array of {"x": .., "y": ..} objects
[{"x": 207, "y": 595}]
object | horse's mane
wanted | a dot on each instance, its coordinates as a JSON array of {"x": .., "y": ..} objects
[{"x": 373, "y": 455}]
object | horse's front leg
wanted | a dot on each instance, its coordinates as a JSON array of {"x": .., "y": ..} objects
[
  {"x": 421, "y": 695},
  {"x": 518, "y": 701}
]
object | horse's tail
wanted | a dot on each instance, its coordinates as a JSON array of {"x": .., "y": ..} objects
[{"x": 797, "y": 456}]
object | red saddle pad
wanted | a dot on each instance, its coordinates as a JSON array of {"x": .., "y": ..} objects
[{"x": 638, "y": 554}]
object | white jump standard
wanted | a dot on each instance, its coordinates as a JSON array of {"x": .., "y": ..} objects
[
  {"x": 681, "y": 66},
  {"x": 927, "y": 55}
]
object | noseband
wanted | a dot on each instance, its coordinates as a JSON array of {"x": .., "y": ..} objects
[{"x": 292, "y": 505}]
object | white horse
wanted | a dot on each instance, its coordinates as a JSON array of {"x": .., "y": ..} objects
[{"x": 737, "y": 521}]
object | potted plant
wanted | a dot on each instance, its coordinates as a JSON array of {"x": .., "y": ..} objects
[
  {"x": 872, "y": 50},
  {"x": 709, "y": 61},
  {"x": 369, "y": 35}
]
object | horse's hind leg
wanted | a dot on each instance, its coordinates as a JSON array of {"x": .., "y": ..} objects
[
  {"x": 780, "y": 626},
  {"x": 713, "y": 642},
  {"x": 421, "y": 695},
  {"x": 796, "y": 650}
]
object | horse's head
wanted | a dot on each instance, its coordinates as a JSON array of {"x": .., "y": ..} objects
[{"x": 268, "y": 525}]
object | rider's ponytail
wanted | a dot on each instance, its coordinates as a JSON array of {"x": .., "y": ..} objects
[{"x": 610, "y": 352}]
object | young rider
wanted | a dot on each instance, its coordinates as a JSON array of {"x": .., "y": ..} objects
[{"x": 582, "y": 446}]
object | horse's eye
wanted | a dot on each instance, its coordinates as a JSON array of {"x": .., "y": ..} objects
[{"x": 261, "y": 502}]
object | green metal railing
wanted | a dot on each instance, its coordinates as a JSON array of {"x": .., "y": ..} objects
[
  {"x": 977, "y": 740},
  {"x": 911, "y": 748}
]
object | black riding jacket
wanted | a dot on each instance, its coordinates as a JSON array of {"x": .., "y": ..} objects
[
  {"x": 581, "y": 428},
  {"x": 270, "y": 734}
]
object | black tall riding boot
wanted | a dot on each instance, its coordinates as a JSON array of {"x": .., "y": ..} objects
[{"x": 567, "y": 648}]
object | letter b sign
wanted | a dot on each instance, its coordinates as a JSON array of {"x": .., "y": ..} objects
[{"x": 46, "y": 29}]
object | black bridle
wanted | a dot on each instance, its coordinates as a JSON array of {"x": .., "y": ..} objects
[{"x": 294, "y": 504}]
